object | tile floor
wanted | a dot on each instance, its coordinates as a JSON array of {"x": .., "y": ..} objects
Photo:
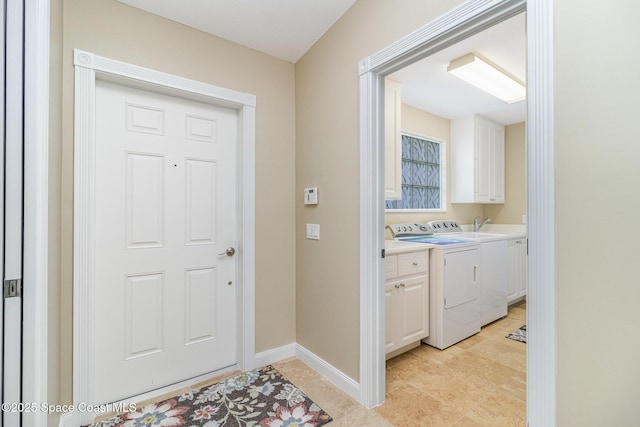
[{"x": 480, "y": 381}]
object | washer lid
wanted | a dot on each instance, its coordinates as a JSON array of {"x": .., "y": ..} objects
[{"x": 439, "y": 240}]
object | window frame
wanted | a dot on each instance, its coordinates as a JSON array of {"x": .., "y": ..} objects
[{"x": 443, "y": 175}]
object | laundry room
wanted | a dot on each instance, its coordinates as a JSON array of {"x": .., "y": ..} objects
[{"x": 456, "y": 233}]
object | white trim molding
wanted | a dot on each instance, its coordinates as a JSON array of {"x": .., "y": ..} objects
[
  {"x": 36, "y": 209},
  {"x": 541, "y": 292},
  {"x": 469, "y": 18},
  {"x": 329, "y": 372},
  {"x": 88, "y": 69}
]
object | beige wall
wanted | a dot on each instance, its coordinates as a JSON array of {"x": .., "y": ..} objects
[
  {"x": 327, "y": 156},
  {"x": 112, "y": 29},
  {"x": 515, "y": 174},
  {"x": 596, "y": 167},
  {"x": 597, "y": 204}
]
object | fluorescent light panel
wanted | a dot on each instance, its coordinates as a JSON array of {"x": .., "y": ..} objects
[{"x": 483, "y": 75}]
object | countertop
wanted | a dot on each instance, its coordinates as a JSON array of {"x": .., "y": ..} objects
[
  {"x": 393, "y": 246},
  {"x": 508, "y": 230},
  {"x": 512, "y": 231}
]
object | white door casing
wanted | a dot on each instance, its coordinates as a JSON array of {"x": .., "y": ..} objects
[
  {"x": 90, "y": 70},
  {"x": 164, "y": 299}
]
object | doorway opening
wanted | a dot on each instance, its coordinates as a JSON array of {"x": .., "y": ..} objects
[
  {"x": 469, "y": 19},
  {"x": 441, "y": 107}
]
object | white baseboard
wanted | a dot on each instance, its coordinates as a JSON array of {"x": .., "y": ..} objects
[
  {"x": 275, "y": 355},
  {"x": 324, "y": 368}
]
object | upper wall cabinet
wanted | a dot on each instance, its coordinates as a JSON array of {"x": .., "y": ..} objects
[
  {"x": 392, "y": 141},
  {"x": 477, "y": 160}
]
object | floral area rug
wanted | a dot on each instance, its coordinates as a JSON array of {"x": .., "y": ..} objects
[
  {"x": 259, "y": 398},
  {"x": 519, "y": 334}
]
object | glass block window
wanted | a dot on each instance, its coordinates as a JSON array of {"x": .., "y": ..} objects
[{"x": 421, "y": 172}]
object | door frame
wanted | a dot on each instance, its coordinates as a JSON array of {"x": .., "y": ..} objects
[
  {"x": 469, "y": 18},
  {"x": 88, "y": 69},
  {"x": 36, "y": 209}
]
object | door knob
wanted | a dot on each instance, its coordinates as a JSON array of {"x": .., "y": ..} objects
[{"x": 229, "y": 251}]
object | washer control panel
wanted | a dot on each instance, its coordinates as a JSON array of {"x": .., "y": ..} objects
[
  {"x": 445, "y": 226},
  {"x": 410, "y": 229}
]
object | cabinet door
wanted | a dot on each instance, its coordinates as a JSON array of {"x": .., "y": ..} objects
[
  {"x": 512, "y": 262},
  {"x": 391, "y": 317},
  {"x": 413, "y": 295},
  {"x": 517, "y": 260},
  {"x": 392, "y": 141},
  {"x": 496, "y": 191},
  {"x": 521, "y": 262},
  {"x": 483, "y": 161}
]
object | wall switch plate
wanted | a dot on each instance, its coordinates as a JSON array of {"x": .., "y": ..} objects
[
  {"x": 313, "y": 231},
  {"x": 311, "y": 196},
  {"x": 524, "y": 219}
]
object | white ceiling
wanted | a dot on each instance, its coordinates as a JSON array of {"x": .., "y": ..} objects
[
  {"x": 427, "y": 86},
  {"x": 285, "y": 29}
]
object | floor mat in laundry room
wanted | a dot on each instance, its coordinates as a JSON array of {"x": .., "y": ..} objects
[{"x": 519, "y": 334}]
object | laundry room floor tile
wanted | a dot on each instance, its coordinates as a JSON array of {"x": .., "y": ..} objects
[{"x": 480, "y": 381}]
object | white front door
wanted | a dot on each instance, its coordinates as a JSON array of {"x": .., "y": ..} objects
[{"x": 164, "y": 300}]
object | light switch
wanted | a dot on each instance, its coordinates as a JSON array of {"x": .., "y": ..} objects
[{"x": 313, "y": 231}]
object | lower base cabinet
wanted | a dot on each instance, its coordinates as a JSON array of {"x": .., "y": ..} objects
[
  {"x": 406, "y": 300},
  {"x": 517, "y": 260}
]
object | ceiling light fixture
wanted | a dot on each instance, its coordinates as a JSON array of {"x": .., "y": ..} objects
[{"x": 488, "y": 77}]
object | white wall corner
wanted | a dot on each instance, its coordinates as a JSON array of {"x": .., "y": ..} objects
[{"x": 329, "y": 372}]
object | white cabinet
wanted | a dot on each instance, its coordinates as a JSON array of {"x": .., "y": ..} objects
[
  {"x": 406, "y": 300},
  {"x": 392, "y": 141},
  {"x": 517, "y": 273},
  {"x": 477, "y": 160}
]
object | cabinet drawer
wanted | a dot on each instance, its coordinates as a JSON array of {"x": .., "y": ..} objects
[
  {"x": 412, "y": 263},
  {"x": 391, "y": 266}
]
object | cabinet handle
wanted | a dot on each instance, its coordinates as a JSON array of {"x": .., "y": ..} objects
[
  {"x": 397, "y": 286},
  {"x": 402, "y": 284},
  {"x": 415, "y": 263},
  {"x": 475, "y": 273}
]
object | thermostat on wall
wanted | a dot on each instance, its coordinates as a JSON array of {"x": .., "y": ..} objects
[{"x": 311, "y": 196}]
